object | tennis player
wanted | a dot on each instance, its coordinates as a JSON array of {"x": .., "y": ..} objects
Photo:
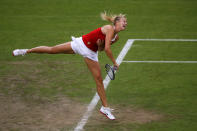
[{"x": 88, "y": 46}]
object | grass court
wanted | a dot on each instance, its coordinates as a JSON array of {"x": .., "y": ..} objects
[{"x": 51, "y": 92}]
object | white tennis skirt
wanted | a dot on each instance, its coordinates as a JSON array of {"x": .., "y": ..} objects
[{"x": 80, "y": 48}]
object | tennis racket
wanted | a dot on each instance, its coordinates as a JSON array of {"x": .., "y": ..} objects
[{"x": 110, "y": 71}]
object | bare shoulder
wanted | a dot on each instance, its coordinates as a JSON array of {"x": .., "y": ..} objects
[{"x": 107, "y": 28}]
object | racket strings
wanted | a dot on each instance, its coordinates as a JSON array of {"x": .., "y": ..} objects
[{"x": 110, "y": 71}]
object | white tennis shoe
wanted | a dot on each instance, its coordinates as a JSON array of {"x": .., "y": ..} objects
[
  {"x": 18, "y": 52},
  {"x": 107, "y": 112}
]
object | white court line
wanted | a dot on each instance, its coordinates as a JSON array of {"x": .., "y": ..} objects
[
  {"x": 106, "y": 82},
  {"x": 164, "y": 39},
  {"x": 160, "y": 61}
]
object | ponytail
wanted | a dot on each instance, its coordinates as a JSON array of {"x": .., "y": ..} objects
[
  {"x": 111, "y": 18},
  {"x": 106, "y": 17}
]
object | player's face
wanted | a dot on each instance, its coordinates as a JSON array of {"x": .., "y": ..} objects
[{"x": 122, "y": 23}]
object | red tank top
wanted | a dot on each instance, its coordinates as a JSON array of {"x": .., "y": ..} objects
[{"x": 91, "y": 38}]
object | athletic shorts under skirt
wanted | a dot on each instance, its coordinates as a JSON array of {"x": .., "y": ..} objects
[{"x": 80, "y": 48}]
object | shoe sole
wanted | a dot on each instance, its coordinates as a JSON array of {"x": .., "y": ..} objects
[{"x": 106, "y": 116}]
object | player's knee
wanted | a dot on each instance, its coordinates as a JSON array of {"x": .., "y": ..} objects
[{"x": 99, "y": 78}]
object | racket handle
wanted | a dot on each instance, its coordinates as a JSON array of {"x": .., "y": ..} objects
[{"x": 115, "y": 68}]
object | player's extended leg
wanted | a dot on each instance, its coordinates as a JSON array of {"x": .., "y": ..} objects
[
  {"x": 61, "y": 48},
  {"x": 95, "y": 69}
]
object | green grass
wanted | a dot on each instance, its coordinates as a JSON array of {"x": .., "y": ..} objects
[{"x": 169, "y": 89}]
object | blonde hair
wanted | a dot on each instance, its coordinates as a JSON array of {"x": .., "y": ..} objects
[{"x": 112, "y": 18}]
